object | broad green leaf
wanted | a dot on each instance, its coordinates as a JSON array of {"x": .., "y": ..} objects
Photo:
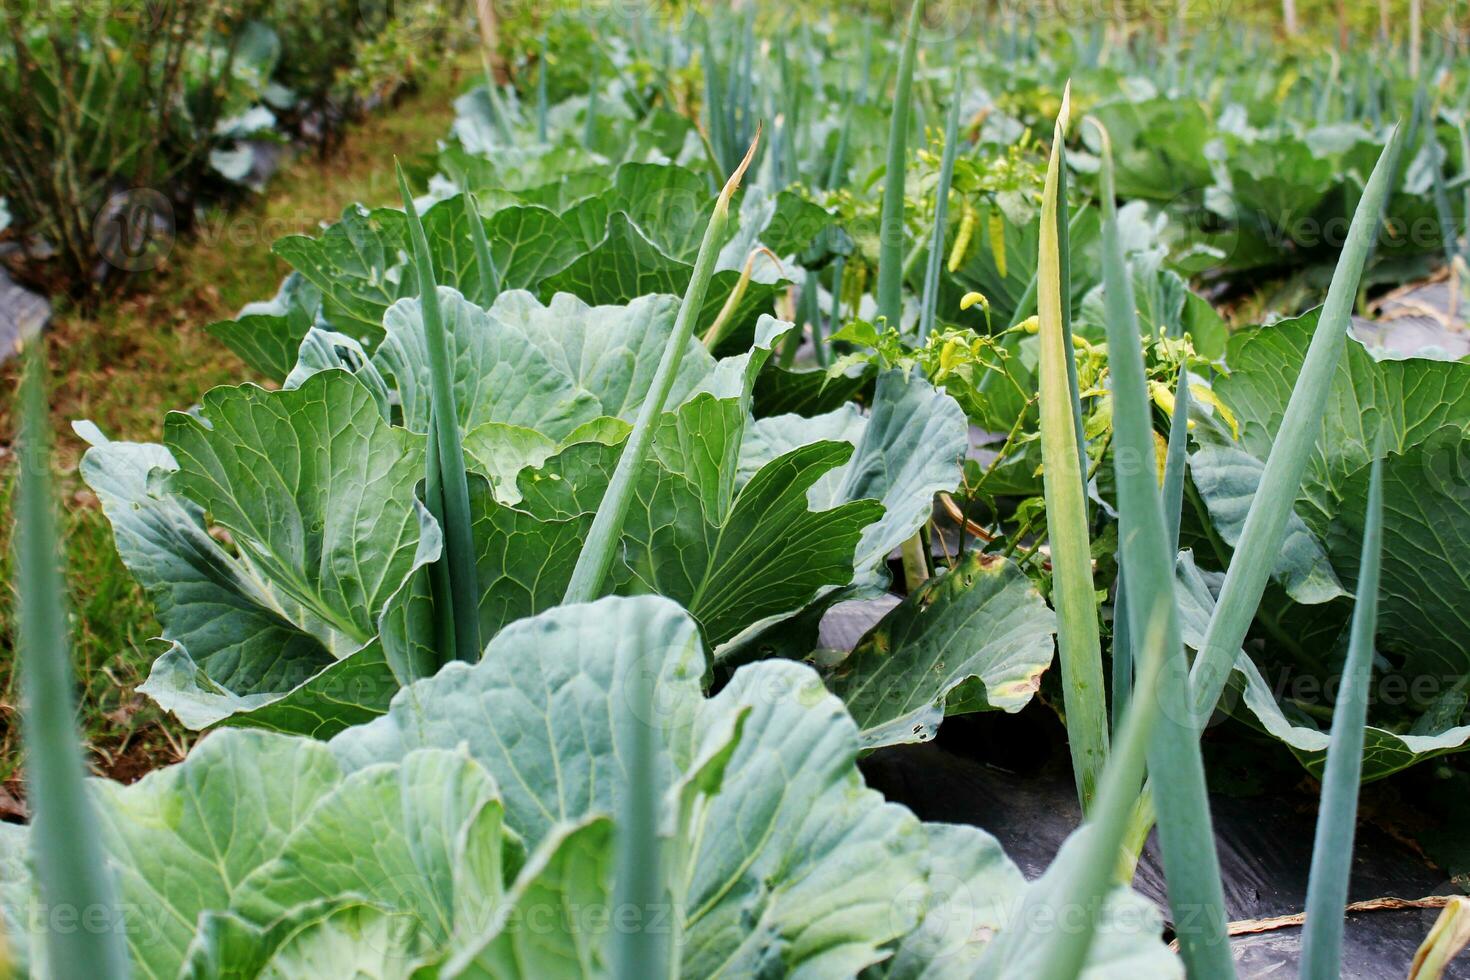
[
  {"x": 347, "y": 938},
  {"x": 624, "y": 264},
  {"x": 1159, "y": 143},
  {"x": 551, "y": 688},
  {"x": 1277, "y": 183},
  {"x": 266, "y": 335},
  {"x": 306, "y": 625},
  {"x": 906, "y": 449},
  {"x": 326, "y": 350},
  {"x": 1424, "y": 600},
  {"x": 208, "y": 601},
  {"x": 670, "y": 205},
  {"x": 496, "y": 373},
  {"x": 765, "y": 554},
  {"x": 611, "y": 352},
  {"x": 316, "y": 490},
  {"x": 1291, "y": 449},
  {"x": 545, "y": 367},
  {"x": 976, "y": 637},
  {"x": 358, "y": 265},
  {"x": 341, "y": 693},
  {"x": 1422, "y": 407},
  {"x": 434, "y": 837},
  {"x": 633, "y": 236},
  {"x": 501, "y": 451},
  {"x": 741, "y": 542},
  {"x": 1251, "y": 696},
  {"x": 761, "y": 895},
  {"x": 15, "y": 895},
  {"x": 910, "y": 450},
  {"x": 1115, "y": 951},
  {"x": 734, "y": 551},
  {"x": 794, "y": 873},
  {"x": 962, "y": 909},
  {"x": 408, "y": 824},
  {"x": 552, "y": 181},
  {"x": 184, "y": 839},
  {"x": 528, "y": 536},
  {"x": 1227, "y": 477},
  {"x": 257, "y": 856},
  {"x": 1407, "y": 399},
  {"x": 567, "y": 877},
  {"x": 545, "y": 696}
]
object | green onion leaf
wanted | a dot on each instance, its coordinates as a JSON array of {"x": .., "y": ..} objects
[
  {"x": 70, "y": 867},
  {"x": 607, "y": 526},
  {"x": 484, "y": 261},
  {"x": 1083, "y": 874},
  {"x": 1191, "y": 867},
  {"x": 1176, "y": 459},
  {"x": 640, "y": 949},
  {"x": 1327, "y": 886},
  {"x": 1078, "y": 642},
  {"x": 890, "y": 224},
  {"x": 930, "y": 301},
  {"x": 448, "y": 475}
]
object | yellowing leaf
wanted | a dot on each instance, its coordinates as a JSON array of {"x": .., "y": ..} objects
[
  {"x": 1209, "y": 397},
  {"x": 1449, "y": 935}
]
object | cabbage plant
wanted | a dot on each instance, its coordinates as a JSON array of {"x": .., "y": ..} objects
[
  {"x": 468, "y": 832},
  {"x": 610, "y": 236},
  {"x": 316, "y": 607},
  {"x": 1420, "y": 408}
]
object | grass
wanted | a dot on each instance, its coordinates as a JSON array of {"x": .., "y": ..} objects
[{"x": 124, "y": 366}]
